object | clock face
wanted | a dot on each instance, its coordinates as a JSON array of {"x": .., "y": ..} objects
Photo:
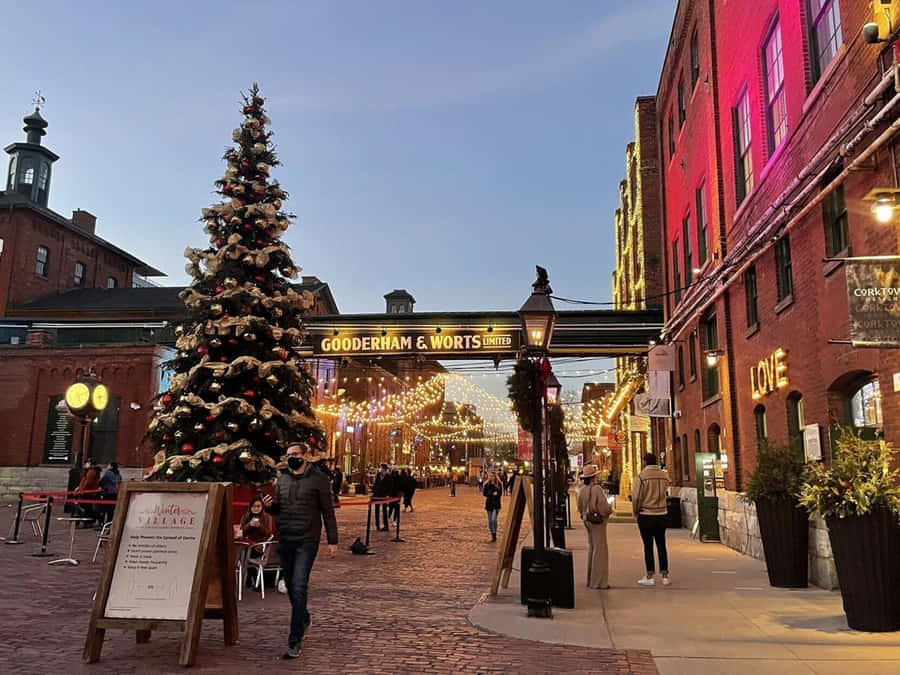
[
  {"x": 78, "y": 396},
  {"x": 100, "y": 397}
]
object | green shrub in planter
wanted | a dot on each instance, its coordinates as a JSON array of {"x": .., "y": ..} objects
[
  {"x": 859, "y": 499},
  {"x": 774, "y": 487}
]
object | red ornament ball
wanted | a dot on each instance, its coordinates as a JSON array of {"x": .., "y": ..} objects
[
  {"x": 248, "y": 310},
  {"x": 248, "y": 109},
  {"x": 248, "y": 227},
  {"x": 312, "y": 440},
  {"x": 219, "y": 289},
  {"x": 167, "y": 438},
  {"x": 167, "y": 399},
  {"x": 220, "y": 436},
  {"x": 210, "y": 418},
  {"x": 187, "y": 448},
  {"x": 245, "y": 164},
  {"x": 223, "y": 359},
  {"x": 232, "y": 341},
  {"x": 249, "y": 393},
  {"x": 202, "y": 351},
  {"x": 260, "y": 278},
  {"x": 218, "y": 459}
]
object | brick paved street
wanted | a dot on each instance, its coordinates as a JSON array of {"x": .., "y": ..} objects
[{"x": 401, "y": 610}]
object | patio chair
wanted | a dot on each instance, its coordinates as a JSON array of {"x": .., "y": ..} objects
[
  {"x": 262, "y": 564},
  {"x": 102, "y": 538},
  {"x": 32, "y": 515}
]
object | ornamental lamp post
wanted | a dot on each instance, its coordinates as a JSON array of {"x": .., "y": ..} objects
[
  {"x": 85, "y": 399},
  {"x": 556, "y": 519},
  {"x": 538, "y": 318}
]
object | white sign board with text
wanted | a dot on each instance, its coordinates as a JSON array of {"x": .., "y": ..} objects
[{"x": 158, "y": 551}]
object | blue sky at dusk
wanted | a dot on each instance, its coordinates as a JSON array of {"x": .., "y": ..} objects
[{"x": 442, "y": 147}]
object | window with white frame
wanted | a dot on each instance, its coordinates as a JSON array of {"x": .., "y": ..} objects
[
  {"x": 79, "y": 274},
  {"x": 743, "y": 140},
  {"x": 776, "y": 102},
  {"x": 825, "y": 33},
  {"x": 42, "y": 261}
]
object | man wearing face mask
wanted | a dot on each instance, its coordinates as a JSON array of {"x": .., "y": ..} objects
[{"x": 303, "y": 501}]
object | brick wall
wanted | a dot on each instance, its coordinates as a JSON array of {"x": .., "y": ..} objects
[
  {"x": 30, "y": 376},
  {"x": 23, "y": 231}
]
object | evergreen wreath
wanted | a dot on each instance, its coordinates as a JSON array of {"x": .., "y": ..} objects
[{"x": 525, "y": 393}]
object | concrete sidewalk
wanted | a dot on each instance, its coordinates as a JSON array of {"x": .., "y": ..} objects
[{"x": 719, "y": 615}]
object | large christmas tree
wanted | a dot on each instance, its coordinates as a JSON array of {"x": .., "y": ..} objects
[{"x": 239, "y": 393}]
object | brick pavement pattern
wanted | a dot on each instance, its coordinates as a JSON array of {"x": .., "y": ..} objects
[{"x": 402, "y": 610}]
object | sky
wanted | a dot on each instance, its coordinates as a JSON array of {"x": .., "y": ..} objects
[{"x": 444, "y": 147}]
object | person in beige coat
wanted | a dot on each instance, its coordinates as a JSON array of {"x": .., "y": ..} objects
[
  {"x": 648, "y": 501},
  {"x": 595, "y": 509}
]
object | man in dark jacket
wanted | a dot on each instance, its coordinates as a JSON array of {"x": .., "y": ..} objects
[
  {"x": 303, "y": 501},
  {"x": 382, "y": 489},
  {"x": 337, "y": 480}
]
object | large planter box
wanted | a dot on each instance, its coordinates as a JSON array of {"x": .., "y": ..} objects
[
  {"x": 784, "y": 529},
  {"x": 867, "y": 556}
]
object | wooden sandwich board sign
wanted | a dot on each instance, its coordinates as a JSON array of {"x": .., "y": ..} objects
[
  {"x": 169, "y": 564},
  {"x": 522, "y": 496}
]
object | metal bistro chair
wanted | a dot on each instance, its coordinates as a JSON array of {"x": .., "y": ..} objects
[
  {"x": 262, "y": 564},
  {"x": 33, "y": 515},
  {"x": 102, "y": 538}
]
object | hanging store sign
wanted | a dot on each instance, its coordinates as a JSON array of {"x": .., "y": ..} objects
[
  {"x": 445, "y": 342},
  {"x": 769, "y": 375},
  {"x": 873, "y": 293}
]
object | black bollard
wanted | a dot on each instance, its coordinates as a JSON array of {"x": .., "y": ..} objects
[
  {"x": 15, "y": 536},
  {"x": 43, "y": 552},
  {"x": 397, "y": 538},
  {"x": 369, "y": 524},
  {"x": 569, "y": 511}
]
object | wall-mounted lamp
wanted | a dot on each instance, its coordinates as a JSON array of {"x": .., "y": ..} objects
[{"x": 712, "y": 357}]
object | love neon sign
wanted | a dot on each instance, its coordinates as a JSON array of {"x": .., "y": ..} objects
[{"x": 769, "y": 374}]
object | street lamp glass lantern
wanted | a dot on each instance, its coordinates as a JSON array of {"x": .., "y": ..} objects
[
  {"x": 553, "y": 388},
  {"x": 538, "y": 314}
]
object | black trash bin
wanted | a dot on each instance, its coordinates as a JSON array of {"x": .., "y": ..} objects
[{"x": 673, "y": 513}]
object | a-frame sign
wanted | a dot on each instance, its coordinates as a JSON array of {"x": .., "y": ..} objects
[
  {"x": 169, "y": 565},
  {"x": 522, "y": 495}
]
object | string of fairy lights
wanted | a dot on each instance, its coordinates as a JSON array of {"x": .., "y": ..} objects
[{"x": 414, "y": 404}]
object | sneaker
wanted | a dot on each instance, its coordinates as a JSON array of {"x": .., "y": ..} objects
[
  {"x": 282, "y": 587},
  {"x": 647, "y": 581},
  {"x": 665, "y": 581},
  {"x": 293, "y": 651}
]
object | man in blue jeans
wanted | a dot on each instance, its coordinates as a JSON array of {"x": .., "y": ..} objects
[{"x": 303, "y": 501}]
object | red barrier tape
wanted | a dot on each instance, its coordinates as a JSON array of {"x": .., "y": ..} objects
[
  {"x": 358, "y": 502},
  {"x": 42, "y": 496}
]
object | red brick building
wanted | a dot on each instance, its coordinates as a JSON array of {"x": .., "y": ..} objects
[{"x": 790, "y": 126}]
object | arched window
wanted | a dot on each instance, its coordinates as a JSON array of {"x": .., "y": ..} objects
[
  {"x": 43, "y": 176},
  {"x": 79, "y": 274},
  {"x": 42, "y": 262},
  {"x": 865, "y": 405},
  {"x": 759, "y": 421},
  {"x": 111, "y": 282},
  {"x": 714, "y": 439},
  {"x": 680, "y": 367},
  {"x": 28, "y": 176},
  {"x": 12, "y": 173},
  {"x": 697, "y": 440},
  {"x": 795, "y": 417},
  {"x": 686, "y": 454}
]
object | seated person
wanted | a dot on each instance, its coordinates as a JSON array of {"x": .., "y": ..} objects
[
  {"x": 89, "y": 485},
  {"x": 256, "y": 525}
]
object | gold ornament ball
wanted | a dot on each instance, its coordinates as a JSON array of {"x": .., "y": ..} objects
[
  {"x": 215, "y": 308},
  {"x": 277, "y": 203},
  {"x": 255, "y": 424},
  {"x": 235, "y": 220},
  {"x": 215, "y": 343},
  {"x": 170, "y": 471},
  {"x": 250, "y": 337},
  {"x": 259, "y": 148},
  {"x": 233, "y": 426},
  {"x": 272, "y": 380},
  {"x": 230, "y": 282},
  {"x": 215, "y": 386},
  {"x": 199, "y": 427},
  {"x": 246, "y": 454}
]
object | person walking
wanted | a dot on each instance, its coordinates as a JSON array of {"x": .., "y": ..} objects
[
  {"x": 382, "y": 489},
  {"x": 648, "y": 501},
  {"x": 396, "y": 493},
  {"x": 409, "y": 489},
  {"x": 337, "y": 481},
  {"x": 303, "y": 501},
  {"x": 595, "y": 509},
  {"x": 452, "y": 484},
  {"x": 492, "y": 491}
]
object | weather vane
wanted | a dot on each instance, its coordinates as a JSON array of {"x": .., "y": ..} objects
[{"x": 38, "y": 100}]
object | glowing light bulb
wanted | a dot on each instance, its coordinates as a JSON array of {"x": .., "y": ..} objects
[{"x": 884, "y": 212}]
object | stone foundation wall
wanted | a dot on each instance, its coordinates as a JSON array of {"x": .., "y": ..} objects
[
  {"x": 739, "y": 529},
  {"x": 16, "y": 479}
]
